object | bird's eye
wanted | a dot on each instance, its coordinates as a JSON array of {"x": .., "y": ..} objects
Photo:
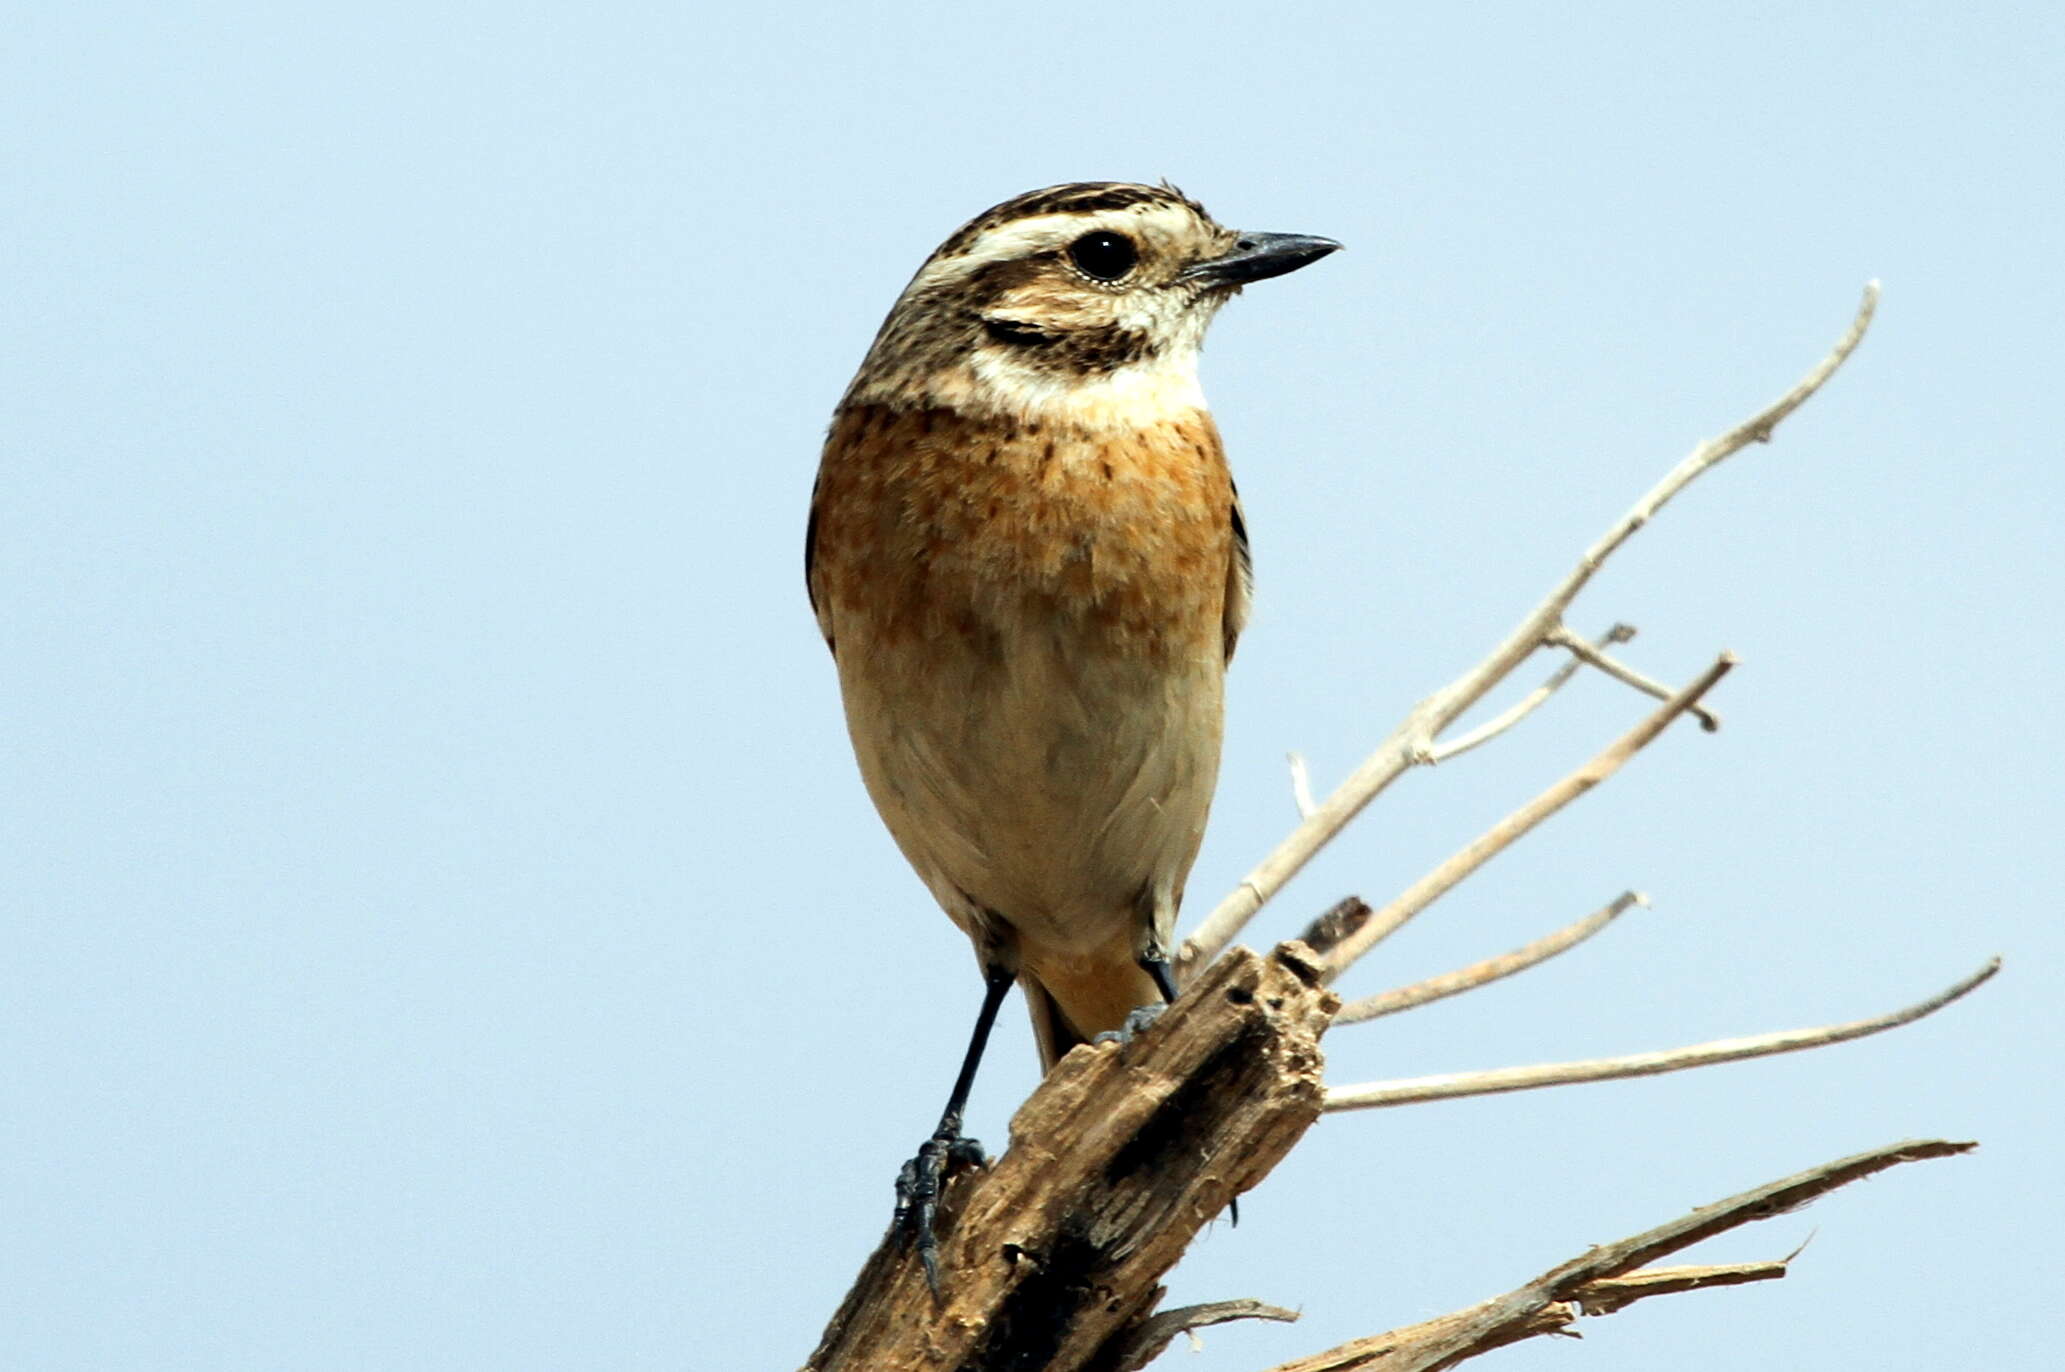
[{"x": 1104, "y": 255}]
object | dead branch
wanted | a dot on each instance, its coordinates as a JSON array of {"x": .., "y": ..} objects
[
  {"x": 1502, "y": 835},
  {"x": 1600, "y": 1278},
  {"x": 1414, "y": 740},
  {"x": 1610, "y": 1294},
  {"x": 1591, "y": 656},
  {"x": 1052, "y": 1256},
  {"x": 1341, "y": 919},
  {"x": 1449, "y": 1086},
  {"x": 1055, "y": 1252},
  {"x": 1146, "y": 1343},
  {"x": 1491, "y": 969},
  {"x": 1301, "y": 786},
  {"x": 1519, "y": 709}
]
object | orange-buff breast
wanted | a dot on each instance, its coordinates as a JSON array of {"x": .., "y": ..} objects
[{"x": 940, "y": 525}]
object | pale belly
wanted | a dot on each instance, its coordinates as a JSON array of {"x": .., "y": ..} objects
[{"x": 1039, "y": 779}]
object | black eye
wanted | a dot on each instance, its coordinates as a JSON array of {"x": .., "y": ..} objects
[{"x": 1104, "y": 255}]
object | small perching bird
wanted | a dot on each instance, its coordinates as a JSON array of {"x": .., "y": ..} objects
[{"x": 1026, "y": 553}]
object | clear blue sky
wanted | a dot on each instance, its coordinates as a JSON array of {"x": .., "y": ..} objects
[{"x": 443, "y": 926}]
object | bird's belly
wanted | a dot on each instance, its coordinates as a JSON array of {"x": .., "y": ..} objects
[{"x": 1040, "y": 776}]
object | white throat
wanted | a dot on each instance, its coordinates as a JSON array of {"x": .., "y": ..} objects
[{"x": 1137, "y": 395}]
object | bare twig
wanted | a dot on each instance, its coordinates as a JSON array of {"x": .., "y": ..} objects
[
  {"x": 1301, "y": 786},
  {"x": 1621, "y": 672},
  {"x": 1502, "y": 835},
  {"x": 1549, "y": 1303},
  {"x": 1491, "y": 969},
  {"x": 1526, "y": 705},
  {"x": 1611, "y": 1294},
  {"x": 1341, "y": 919},
  {"x": 1448, "y": 1086},
  {"x": 1414, "y": 739},
  {"x": 1145, "y": 1344}
]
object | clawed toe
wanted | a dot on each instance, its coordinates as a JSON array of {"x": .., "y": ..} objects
[
  {"x": 918, "y": 1187},
  {"x": 1136, "y": 1024}
]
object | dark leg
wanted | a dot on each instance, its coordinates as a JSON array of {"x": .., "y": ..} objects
[
  {"x": 918, "y": 1184},
  {"x": 1157, "y": 967}
]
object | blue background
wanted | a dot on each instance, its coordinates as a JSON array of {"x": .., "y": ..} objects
[{"x": 442, "y": 923}]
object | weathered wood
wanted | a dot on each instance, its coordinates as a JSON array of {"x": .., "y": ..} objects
[
  {"x": 1052, "y": 1256},
  {"x": 1609, "y": 1276}
]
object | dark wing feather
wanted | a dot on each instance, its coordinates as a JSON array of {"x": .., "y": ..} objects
[
  {"x": 1240, "y": 577},
  {"x": 824, "y": 619}
]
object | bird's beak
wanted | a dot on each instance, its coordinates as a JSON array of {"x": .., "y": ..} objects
[{"x": 1259, "y": 256}]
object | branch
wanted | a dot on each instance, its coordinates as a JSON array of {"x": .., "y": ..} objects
[
  {"x": 1600, "y": 1279},
  {"x": 1301, "y": 786},
  {"x": 1584, "y": 652},
  {"x": 1507, "y": 831},
  {"x": 1609, "y": 1295},
  {"x": 1146, "y": 1343},
  {"x": 1053, "y": 1255},
  {"x": 1449, "y": 1086},
  {"x": 1491, "y": 969},
  {"x": 1413, "y": 741},
  {"x": 1523, "y": 707},
  {"x": 1341, "y": 919}
]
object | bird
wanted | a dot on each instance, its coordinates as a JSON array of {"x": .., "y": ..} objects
[{"x": 1027, "y": 555}]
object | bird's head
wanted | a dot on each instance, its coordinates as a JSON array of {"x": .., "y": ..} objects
[{"x": 1086, "y": 301}]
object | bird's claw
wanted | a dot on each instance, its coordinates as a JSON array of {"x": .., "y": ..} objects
[
  {"x": 1136, "y": 1024},
  {"x": 918, "y": 1187}
]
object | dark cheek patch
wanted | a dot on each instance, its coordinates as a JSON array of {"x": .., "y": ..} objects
[
  {"x": 1016, "y": 332},
  {"x": 1104, "y": 349},
  {"x": 1082, "y": 352}
]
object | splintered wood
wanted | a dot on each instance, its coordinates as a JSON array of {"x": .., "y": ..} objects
[{"x": 1051, "y": 1257}]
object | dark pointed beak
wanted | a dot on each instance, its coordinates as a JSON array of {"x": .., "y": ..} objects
[{"x": 1259, "y": 256}]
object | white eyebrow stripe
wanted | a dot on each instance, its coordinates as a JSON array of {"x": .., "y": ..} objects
[{"x": 1037, "y": 233}]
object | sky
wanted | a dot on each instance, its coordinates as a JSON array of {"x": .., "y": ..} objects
[{"x": 443, "y": 926}]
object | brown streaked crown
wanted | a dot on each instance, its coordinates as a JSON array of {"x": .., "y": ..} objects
[{"x": 1075, "y": 197}]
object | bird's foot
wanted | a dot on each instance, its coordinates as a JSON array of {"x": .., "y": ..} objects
[
  {"x": 1136, "y": 1024},
  {"x": 918, "y": 1188}
]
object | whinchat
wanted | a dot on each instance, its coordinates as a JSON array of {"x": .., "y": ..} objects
[{"x": 1027, "y": 555}]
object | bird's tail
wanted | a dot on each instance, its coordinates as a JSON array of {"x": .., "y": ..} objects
[
  {"x": 1072, "y": 1010},
  {"x": 1051, "y": 1029}
]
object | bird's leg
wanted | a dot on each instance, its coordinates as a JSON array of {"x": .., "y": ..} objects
[
  {"x": 1155, "y": 965},
  {"x": 918, "y": 1184}
]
